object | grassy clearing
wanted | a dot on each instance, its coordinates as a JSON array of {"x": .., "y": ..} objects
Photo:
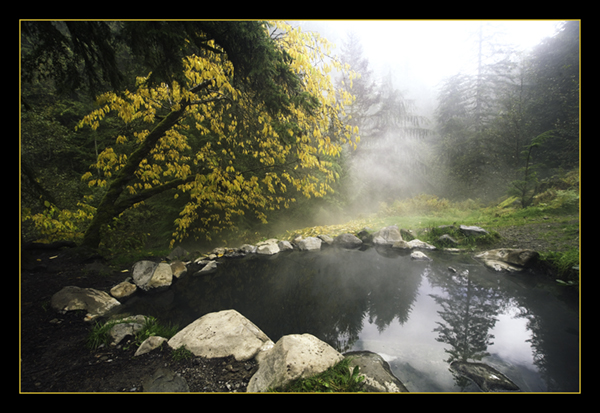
[{"x": 553, "y": 220}]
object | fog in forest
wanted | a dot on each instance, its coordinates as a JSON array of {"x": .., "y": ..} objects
[
  {"x": 454, "y": 109},
  {"x": 405, "y": 67}
]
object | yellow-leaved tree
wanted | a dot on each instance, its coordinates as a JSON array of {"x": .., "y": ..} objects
[{"x": 232, "y": 150}]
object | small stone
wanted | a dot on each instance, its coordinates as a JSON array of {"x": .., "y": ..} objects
[
  {"x": 208, "y": 268},
  {"x": 149, "y": 344},
  {"x": 472, "y": 230},
  {"x": 285, "y": 246},
  {"x": 419, "y": 256},
  {"x": 123, "y": 290},
  {"x": 178, "y": 268},
  {"x": 447, "y": 240}
]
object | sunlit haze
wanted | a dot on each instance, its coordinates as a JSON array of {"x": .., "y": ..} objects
[{"x": 420, "y": 54}]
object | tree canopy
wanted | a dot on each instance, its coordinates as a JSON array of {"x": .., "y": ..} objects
[{"x": 232, "y": 143}]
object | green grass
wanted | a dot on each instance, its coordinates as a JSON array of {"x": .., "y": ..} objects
[
  {"x": 566, "y": 265},
  {"x": 431, "y": 235},
  {"x": 182, "y": 353},
  {"x": 339, "y": 379},
  {"x": 557, "y": 210},
  {"x": 100, "y": 334}
]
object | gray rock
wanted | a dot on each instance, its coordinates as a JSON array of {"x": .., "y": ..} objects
[
  {"x": 309, "y": 244},
  {"x": 326, "y": 239},
  {"x": 178, "y": 268},
  {"x": 401, "y": 245},
  {"x": 165, "y": 380},
  {"x": 472, "y": 230},
  {"x": 293, "y": 357},
  {"x": 419, "y": 256},
  {"x": 416, "y": 243},
  {"x": 143, "y": 272},
  {"x": 148, "y": 275},
  {"x": 218, "y": 252},
  {"x": 508, "y": 259},
  {"x": 347, "y": 241},
  {"x": 486, "y": 377},
  {"x": 128, "y": 326},
  {"x": 149, "y": 344},
  {"x": 222, "y": 334},
  {"x": 365, "y": 235},
  {"x": 285, "y": 246},
  {"x": 123, "y": 290},
  {"x": 387, "y": 236},
  {"x": 248, "y": 249},
  {"x": 96, "y": 303},
  {"x": 209, "y": 268},
  {"x": 447, "y": 240},
  {"x": 377, "y": 372},
  {"x": 268, "y": 249}
]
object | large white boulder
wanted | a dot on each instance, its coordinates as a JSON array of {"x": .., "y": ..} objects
[
  {"x": 96, "y": 303},
  {"x": 222, "y": 334},
  {"x": 294, "y": 356}
]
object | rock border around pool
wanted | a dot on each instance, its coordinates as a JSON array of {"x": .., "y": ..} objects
[
  {"x": 228, "y": 333},
  {"x": 149, "y": 276}
]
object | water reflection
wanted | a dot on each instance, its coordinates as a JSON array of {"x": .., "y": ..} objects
[
  {"x": 469, "y": 312},
  {"x": 420, "y": 315}
]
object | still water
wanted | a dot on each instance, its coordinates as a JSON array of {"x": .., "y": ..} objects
[{"x": 419, "y": 316}]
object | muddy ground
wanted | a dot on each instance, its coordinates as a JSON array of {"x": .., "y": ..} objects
[{"x": 54, "y": 356}]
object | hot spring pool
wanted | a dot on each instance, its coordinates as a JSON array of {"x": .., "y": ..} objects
[{"x": 419, "y": 316}]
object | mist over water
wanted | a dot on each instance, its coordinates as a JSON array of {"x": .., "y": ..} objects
[
  {"x": 419, "y": 316},
  {"x": 390, "y": 170}
]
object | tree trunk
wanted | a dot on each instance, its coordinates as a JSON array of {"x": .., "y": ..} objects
[{"x": 109, "y": 206}]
